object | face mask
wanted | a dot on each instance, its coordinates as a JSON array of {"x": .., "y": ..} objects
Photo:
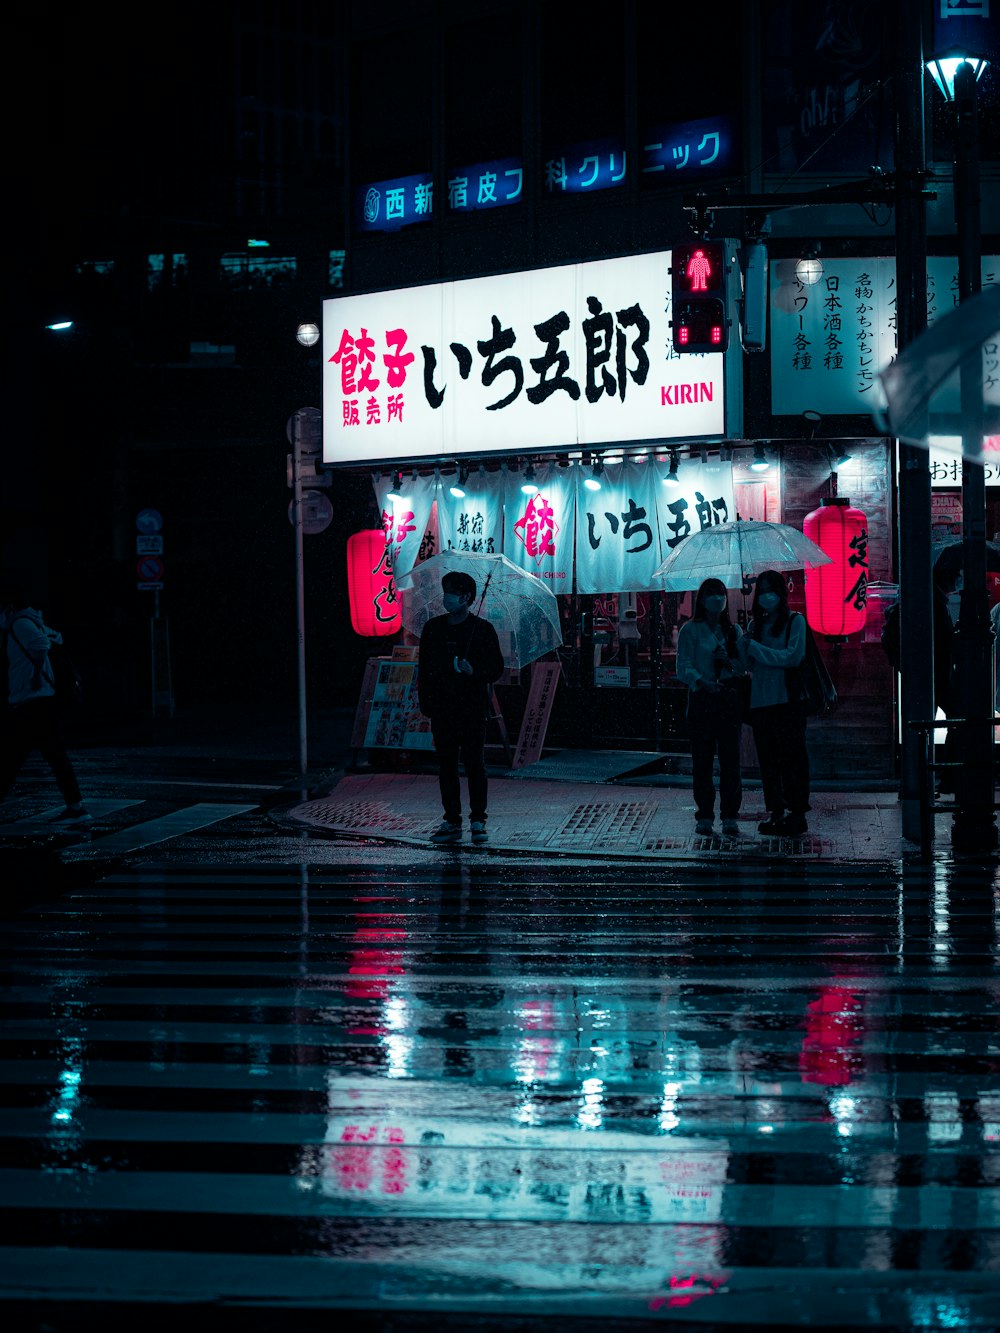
[
  {"x": 715, "y": 605},
  {"x": 452, "y": 601},
  {"x": 768, "y": 600}
]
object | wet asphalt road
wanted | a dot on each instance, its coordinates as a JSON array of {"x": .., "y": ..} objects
[{"x": 257, "y": 1079}]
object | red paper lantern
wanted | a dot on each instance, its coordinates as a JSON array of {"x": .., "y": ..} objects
[
  {"x": 375, "y": 608},
  {"x": 837, "y": 594}
]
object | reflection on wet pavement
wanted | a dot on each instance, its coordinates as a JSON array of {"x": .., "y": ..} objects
[{"x": 751, "y": 1099}]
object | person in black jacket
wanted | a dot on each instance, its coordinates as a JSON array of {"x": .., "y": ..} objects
[{"x": 460, "y": 658}]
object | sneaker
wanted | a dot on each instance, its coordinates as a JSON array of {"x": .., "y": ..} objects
[
  {"x": 704, "y": 828},
  {"x": 73, "y": 818},
  {"x": 447, "y": 832},
  {"x": 478, "y": 830},
  {"x": 793, "y": 826},
  {"x": 773, "y": 824},
  {"x": 730, "y": 828}
]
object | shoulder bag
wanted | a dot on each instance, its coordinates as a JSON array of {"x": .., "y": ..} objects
[{"x": 810, "y": 684}]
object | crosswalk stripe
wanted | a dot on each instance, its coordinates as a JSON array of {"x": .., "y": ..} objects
[
  {"x": 98, "y": 807},
  {"x": 177, "y": 823}
]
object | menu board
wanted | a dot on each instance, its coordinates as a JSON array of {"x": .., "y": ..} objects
[{"x": 395, "y": 721}]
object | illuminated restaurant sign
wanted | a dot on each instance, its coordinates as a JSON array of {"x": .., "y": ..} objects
[
  {"x": 830, "y": 339},
  {"x": 549, "y": 359}
]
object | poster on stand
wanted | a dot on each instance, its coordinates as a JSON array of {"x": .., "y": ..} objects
[{"x": 395, "y": 721}]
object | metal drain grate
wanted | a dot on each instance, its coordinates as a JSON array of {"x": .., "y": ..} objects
[
  {"x": 627, "y": 825},
  {"x": 597, "y": 824},
  {"x": 373, "y": 815}
]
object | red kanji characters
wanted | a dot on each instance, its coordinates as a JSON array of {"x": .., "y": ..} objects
[
  {"x": 537, "y": 528},
  {"x": 397, "y": 361}
]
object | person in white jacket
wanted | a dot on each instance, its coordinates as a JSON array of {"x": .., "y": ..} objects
[
  {"x": 774, "y": 644},
  {"x": 32, "y": 721},
  {"x": 709, "y": 664}
]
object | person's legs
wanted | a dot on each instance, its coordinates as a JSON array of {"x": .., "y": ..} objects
[
  {"x": 16, "y": 743},
  {"x": 767, "y": 739},
  {"x": 446, "y": 746},
  {"x": 473, "y": 742},
  {"x": 49, "y": 741},
  {"x": 730, "y": 773},
  {"x": 702, "y": 735},
  {"x": 795, "y": 762}
]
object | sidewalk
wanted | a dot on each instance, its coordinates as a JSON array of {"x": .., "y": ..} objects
[{"x": 571, "y": 807}]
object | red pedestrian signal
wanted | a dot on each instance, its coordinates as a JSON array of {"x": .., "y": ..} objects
[{"x": 698, "y": 288}]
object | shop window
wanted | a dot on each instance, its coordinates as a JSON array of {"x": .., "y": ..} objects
[
  {"x": 154, "y": 272},
  {"x": 244, "y": 272},
  {"x": 96, "y": 268}
]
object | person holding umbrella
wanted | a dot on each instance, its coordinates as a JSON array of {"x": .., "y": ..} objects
[
  {"x": 775, "y": 643},
  {"x": 459, "y": 659},
  {"x": 708, "y": 662}
]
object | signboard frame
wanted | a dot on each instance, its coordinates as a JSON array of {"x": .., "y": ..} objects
[{"x": 446, "y": 389}]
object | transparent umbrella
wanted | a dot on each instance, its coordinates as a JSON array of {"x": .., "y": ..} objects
[
  {"x": 734, "y": 552},
  {"x": 924, "y": 380},
  {"x": 522, "y": 610}
]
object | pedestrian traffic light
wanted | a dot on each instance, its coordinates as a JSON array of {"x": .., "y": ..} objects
[{"x": 700, "y": 315}]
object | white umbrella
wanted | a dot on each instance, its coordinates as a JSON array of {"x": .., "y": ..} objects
[
  {"x": 924, "y": 378},
  {"x": 734, "y": 552},
  {"x": 522, "y": 609}
]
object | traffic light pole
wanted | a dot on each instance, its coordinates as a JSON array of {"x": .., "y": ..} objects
[
  {"x": 916, "y": 630},
  {"x": 974, "y": 826},
  {"x": 300, "y": 603}
]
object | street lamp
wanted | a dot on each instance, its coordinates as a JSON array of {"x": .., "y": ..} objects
[
  {"x": 943, "y": 70},
  {"x": 809, "y": 270},
  {"x": 974, "y": 827}
]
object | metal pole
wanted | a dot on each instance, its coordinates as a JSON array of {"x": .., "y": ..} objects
[
  {"x": 915, "y": 596},
  {"x": 656, "y": 665},
  {"x": 974, "y": 825},
  {"x": 300, "y": 601}
]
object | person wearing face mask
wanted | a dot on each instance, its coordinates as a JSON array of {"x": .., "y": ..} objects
[
  {"x": 775, "y": 643},
  {"x": 709, "y": 663},
  {"x": 459, "y": 659}
]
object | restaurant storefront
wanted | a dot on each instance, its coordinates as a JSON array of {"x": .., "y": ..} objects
[{"x": 544, "y": 415}]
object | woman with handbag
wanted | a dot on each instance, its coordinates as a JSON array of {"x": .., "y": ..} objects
[
  {"x": 776, "y": 644},
  {"x": 708, "y": 662}
]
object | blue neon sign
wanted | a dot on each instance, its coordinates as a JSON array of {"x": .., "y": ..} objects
[
  {"x": 584, "y": 168},
  {"x": 485, "y": 185},
  {"x": 389, "y": 205},
  {"x": 691, "y": 148}
]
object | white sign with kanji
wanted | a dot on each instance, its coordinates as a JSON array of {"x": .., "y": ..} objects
[
  {"x": 830, "y": 340},
  {"x": 548, "y": 359}
]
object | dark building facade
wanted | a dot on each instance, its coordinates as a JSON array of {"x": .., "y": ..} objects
[{"x": 504, "y": 137}]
